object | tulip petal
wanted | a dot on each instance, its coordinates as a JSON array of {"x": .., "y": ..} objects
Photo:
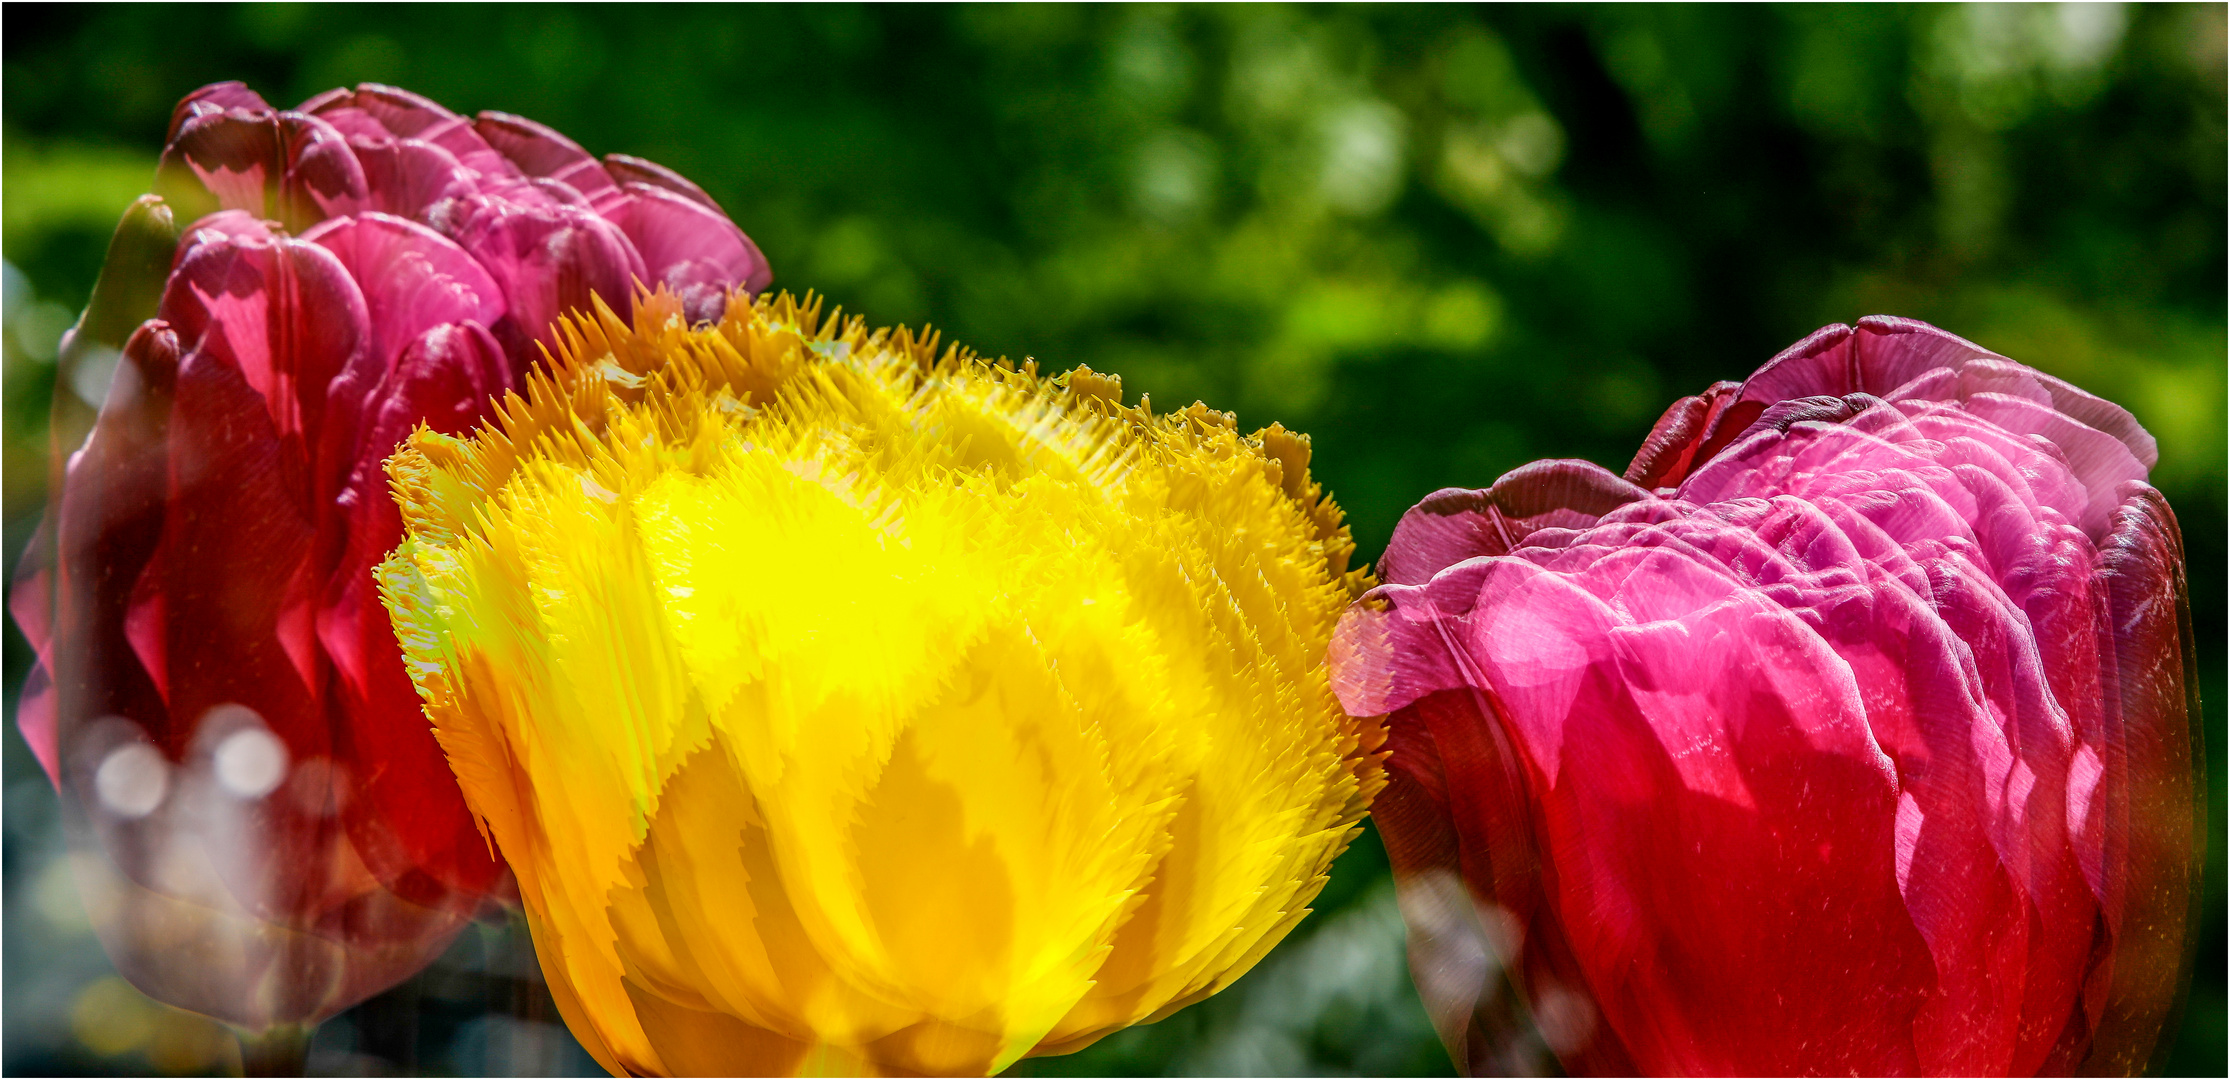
[
  {"x": 226, "y": 456},
  {"x": 36, "y": 710},
  {"x": 322, "y": 177},
  {"x": 405, "y": 115},
  {"x": 445, "y": 380},
  {"x": 102, "y": 538},
  {"x": 2149, "y": 825},
  {"x": 548, "y": 260},
  {"x": 285, "y": 314},
  {"x": 1670, "y": 450},
  {"x": 413, "y": 179},
  {"x": 406, "y": 817},
  {"x": 538, "y": 151},
  {"x": 225, "y": 160},
  {"x": 698, "y": 254},
  {"x": 214, "y": 98},
  {"x": 31, "y": 603},
  {"x": 412, "y": 278},
  {"x": 627, "y": 169},
  {"x": 1854, "y": 662},
  {"x": 1452, "y": 524}
]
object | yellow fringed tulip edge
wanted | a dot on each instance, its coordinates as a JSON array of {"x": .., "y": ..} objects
[{"x": 617, "y": 390}]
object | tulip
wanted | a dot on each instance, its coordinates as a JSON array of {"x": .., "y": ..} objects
[
  {"x": 847, "y": 706},
  {"x": 266, "y": 831},
  {"x": 1846, "y": 733}
]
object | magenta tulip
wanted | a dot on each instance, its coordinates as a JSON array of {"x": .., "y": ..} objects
[
  {"x": 268, "y": 832},
  {"x": 1847, "y": 733}
]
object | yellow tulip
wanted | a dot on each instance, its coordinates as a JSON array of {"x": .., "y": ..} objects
[{"x": 847, "y": 706}]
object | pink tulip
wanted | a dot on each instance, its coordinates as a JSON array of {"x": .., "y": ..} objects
[
  {"x": 273, "y": 832},
  {"x": 1848, "y": 733}
]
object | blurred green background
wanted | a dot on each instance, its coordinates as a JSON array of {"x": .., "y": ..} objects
[{"x": 1444, "y": 241}]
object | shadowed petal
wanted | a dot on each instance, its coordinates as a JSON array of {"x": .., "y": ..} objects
[
  {"x": 213, "y": 98},
  {"x": 407, "y": 818}
]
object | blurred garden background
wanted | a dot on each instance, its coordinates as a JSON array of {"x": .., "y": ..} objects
[{"x": 1443, "y": 240}]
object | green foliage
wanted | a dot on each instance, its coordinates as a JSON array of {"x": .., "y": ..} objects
[{"x": 1443, "y": 240}]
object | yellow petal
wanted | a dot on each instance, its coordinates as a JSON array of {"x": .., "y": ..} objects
[{"x": 844, "y": 704}]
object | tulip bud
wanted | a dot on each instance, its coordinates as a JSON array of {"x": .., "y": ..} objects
[
  {"x": 1847, "y": 733},
  {"x": 265, "y": 828},
  {"x": 847, "y": 706}
]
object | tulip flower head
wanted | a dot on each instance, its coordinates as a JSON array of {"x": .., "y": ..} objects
[
  {"x": 1847, "y": 733},
  {"x": 846, "y": 705},
  {"x": 266, "y": 829}
]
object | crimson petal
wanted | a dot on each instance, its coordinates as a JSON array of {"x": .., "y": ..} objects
[
  {"x": 408, "y": 819},
  {"x": 356, "y": 267}
]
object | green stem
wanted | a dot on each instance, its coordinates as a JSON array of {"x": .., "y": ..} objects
[{"x": 279, "y": 1050}]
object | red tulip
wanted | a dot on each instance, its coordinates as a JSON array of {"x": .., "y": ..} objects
[
  {"x": 1847, "y": 733},
  {"x": 219, "y": 696}
]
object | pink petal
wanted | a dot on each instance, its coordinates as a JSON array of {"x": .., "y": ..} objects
[
  {"x": 35, "y": 718},
  {"x": 2146, "y": 822},
  {"x": 31, "y": 603},
  {"x": 548, "y": 260},
  {"x": 322, "y": 178},
  {"x": 443, "y": 380},
  {"x": 1841, "y": 717},
  {"x": 108, "y": 519},
  {"x": 411, "y": 178},
  {"x": 219, "y": 601},
  {"x": 284, "y": 313},
  {"x": 695, "y": 252},
  {"x": 405, "y": 115},
  {"x": 287, "y": 166},
  {"x": 213, "y": 98},
  {"x": 412, "y": 278},
  {"x": 359, "y": 126},
  {"x": 1452, "y": 524},
  {"x": 228, "y": 160},
  {"x": 626, "y": 169},
  {"x": 538, "y": 151}
]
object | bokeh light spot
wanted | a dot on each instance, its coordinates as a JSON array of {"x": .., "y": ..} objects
[
  {"x": 132, "y": 780},
  {"x": 251, "y": 762}
]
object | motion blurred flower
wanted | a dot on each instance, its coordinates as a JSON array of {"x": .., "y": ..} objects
[
  {"x": 1846, "y": 734},
  {"x": 843, "y": 705},
  {"x": 274, "y": 833}
]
